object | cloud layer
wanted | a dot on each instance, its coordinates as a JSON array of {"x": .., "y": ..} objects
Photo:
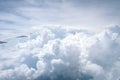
[
  {"x": 61, "y": 54},
  {"x": 93, "y": 15}
]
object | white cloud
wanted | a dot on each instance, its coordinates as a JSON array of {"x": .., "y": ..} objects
[
  {"x": 57, "y": 53},
  {"x": 94, "y": 15}
]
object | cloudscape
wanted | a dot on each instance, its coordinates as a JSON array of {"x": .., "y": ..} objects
[
  {"x": 60, "y": 54},
  {"x": 59, "y": 40}
]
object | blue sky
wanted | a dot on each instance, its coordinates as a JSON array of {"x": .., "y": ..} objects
[{"x": 20, "y": 15}]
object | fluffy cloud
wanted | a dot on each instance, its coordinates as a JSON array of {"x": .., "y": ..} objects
[{"x": 60, "y": 54}]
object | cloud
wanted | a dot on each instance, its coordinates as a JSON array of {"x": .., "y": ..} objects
[
  {"x": 61, "y": 54},
  {"x": 54, "y": 53},
  {"x": 73, "y": 13}
]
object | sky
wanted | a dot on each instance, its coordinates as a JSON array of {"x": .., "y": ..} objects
[
  {"x": 19, "y": 16},
  {"x": 59, "y": 40}
]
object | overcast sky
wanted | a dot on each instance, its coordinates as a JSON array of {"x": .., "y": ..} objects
[{"x": 19, "y": 15}]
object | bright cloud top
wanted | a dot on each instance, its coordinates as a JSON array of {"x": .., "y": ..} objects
[{"x": 60, "y": 54}]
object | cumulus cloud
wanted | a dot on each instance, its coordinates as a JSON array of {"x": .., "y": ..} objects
[{"x": 60, "y": 54}]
